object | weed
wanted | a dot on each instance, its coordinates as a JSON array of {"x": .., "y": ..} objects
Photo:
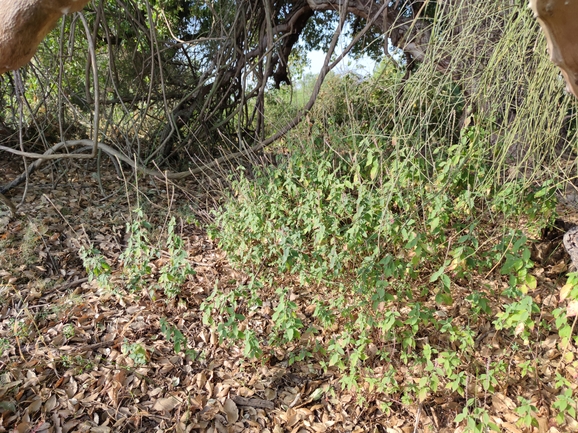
[
  {"x": 370, "y": 228},
  {"x": 18, "y": 328},
  {"x": 526, "y": 410},
  {"x": 139, "y": 252},
  {"x": 96, "y": 266},
  {"x": 174, "y": 272},
  {"x": 68, "y": 331},
  {"x": 78, "y": 363},
  {"x": 518, "y": 316},
  {"x": 287, "y": 322},
  {"x": 137, "y": 352},
  {"x": 175, "y": 336},
  {"x": 4, "y": 345},
  {"x": 565, "y": 404},
  {"x": 138, "y": 256},
  {"x": 477, "y": 419}
]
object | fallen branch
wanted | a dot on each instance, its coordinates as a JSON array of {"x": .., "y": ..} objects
[{"x": 253, "y": 402}]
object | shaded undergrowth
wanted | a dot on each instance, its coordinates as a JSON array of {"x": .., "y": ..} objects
[{"x": 408, "y": 266}]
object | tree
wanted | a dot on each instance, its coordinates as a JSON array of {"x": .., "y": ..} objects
[
  {"x": 208, "y": 64},
  {"x": 182, "y": 77}
]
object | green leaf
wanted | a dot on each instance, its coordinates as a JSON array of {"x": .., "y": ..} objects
[
  {"x": 374, "y": 170},
  {"x": 444, "y": 299},
  {"x": 529, "y": 284},
  {"x": 437, "y": 274}
]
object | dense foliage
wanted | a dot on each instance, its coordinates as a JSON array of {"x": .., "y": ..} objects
[
  {"x": 398, "y": 227},
  {"x": 388, "y": 238},
  {"x": 183, "y": 77}
]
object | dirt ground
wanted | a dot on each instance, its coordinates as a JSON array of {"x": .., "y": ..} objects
[{"x": 78, "y": 358}]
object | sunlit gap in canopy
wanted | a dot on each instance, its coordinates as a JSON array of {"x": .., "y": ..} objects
[{"x": 362, "y": 67}]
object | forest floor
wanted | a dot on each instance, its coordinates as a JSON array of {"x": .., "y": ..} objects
[{"x": 78, "y": 358}]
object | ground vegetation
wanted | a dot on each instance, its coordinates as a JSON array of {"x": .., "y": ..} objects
[{"x": 388, "y": 259}]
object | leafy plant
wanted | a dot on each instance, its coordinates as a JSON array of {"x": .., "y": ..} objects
[
  {"x": 138, "y": 256},
  {"x": 68, "y": 331},
  {"x": 139, "y": 251},
  {"x": 477, "y": 420},
  {"x": 518, "y": 264},
  {"x": 518, "y": 315},
  {"x": 526, "y": 410},
  {"x": 96, "y": 266},
  {"x": 175, "y": 336},
  {"x": 565, "y": 404},
  {"x": 78, "y": 363},
  {"x": 368, "y": 227},
  {"x": 135, "y": 351},
  {"x": 287, "y": 322},
  {"x": 4, "y": 345},
  {"x": 174, "y": 272}
]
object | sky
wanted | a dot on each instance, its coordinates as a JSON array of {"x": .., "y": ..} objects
[{"x": 364, "y": 66}]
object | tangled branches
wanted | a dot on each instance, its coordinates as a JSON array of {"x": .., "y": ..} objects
[{"x": 174, "y": 77}]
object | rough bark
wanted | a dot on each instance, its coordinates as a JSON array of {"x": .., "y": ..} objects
[
  {"x": 23, "y": 25},
  {"x": 559, "y": 21}
]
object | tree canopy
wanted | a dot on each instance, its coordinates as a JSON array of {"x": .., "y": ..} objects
[
  {"x": 172, "y": 77},
  {"x": 178, "y": 75}
]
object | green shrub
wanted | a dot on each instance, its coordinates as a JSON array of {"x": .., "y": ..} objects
[
  {"x": 388, "y": 236},
  {"x": 402, "y": 200},
  {"x": 137, "y": 258}
]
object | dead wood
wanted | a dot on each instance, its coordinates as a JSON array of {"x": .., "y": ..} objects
[{"x": 253, "y": 402}]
